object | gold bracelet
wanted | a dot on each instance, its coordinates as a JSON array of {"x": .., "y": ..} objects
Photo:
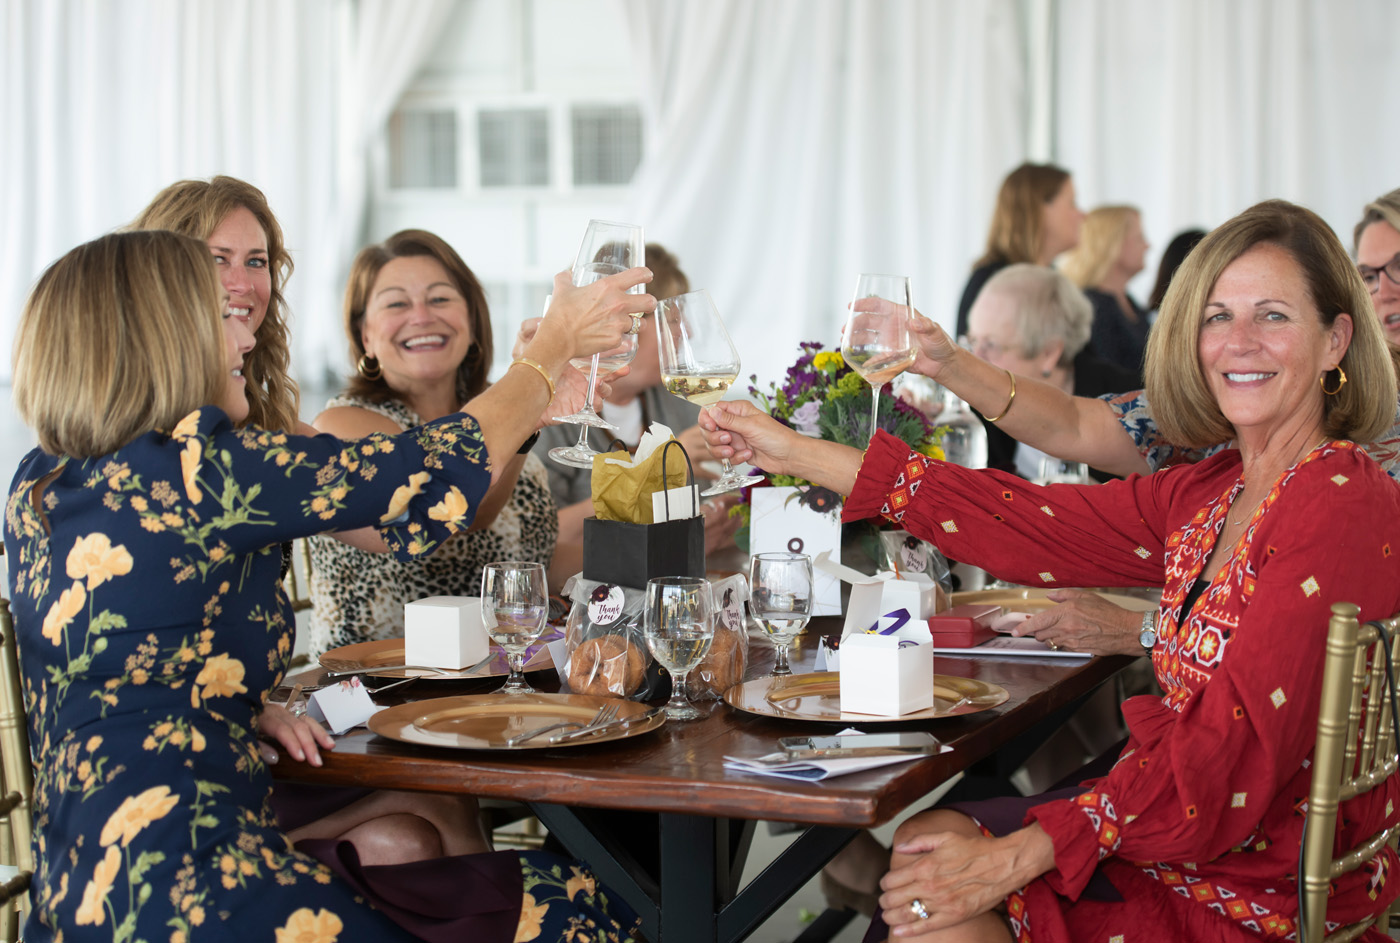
[
  {"x": 1011, "y": 399},
  {"x": 544, "y": 373}
]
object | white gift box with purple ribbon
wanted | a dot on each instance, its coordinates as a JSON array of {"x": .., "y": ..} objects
[{"x": 888, "y": 674}]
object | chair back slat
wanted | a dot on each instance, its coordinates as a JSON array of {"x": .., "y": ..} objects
[
  {"x": 1355, "y": 752},
  {"x": 16, "y": 784}
]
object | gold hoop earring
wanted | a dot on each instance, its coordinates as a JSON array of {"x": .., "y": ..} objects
[
  {"x": 369, "y": 368},
  {"x": 1322, "y": 381}
]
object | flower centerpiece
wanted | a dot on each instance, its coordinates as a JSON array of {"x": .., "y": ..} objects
[{"x": 822, "y": 397}]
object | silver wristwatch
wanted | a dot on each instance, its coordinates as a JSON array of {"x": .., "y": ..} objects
[{"x": 1147, "y": 638}]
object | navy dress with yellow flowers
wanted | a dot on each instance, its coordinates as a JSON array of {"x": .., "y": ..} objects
[{"x": 151, "y": 626}]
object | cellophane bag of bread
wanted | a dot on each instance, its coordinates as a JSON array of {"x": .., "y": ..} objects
[
  {"x": 728, "y": 658},
  {"x": 607, "y": 652},
  {"x": 903, "y": 553}
]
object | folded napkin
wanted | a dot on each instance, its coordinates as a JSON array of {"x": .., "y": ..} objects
[{"x": 813, "y": 770}]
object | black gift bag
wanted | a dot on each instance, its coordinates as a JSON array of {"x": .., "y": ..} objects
[{"x": 631, "y": 554}]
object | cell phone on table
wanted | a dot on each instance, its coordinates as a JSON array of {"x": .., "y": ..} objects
[{"x": 914, "y": 742}]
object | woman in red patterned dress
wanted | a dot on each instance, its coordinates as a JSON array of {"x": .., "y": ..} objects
[{"x": 1267, "y": 338}]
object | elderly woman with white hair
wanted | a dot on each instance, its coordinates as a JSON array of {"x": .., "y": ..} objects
[{"x": 1033, "y": 322}]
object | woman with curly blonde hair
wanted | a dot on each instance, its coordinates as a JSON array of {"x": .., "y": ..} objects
[{"x": 233, "y": 218}]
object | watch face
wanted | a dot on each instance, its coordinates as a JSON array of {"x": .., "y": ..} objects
[{"x": 1147, "y": 639}]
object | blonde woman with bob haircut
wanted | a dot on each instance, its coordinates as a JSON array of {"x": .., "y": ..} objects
[
  {"x": 1265, "y": 338},
  {"x": 1035, "y": 220},
  {"x": 250, "y": 254},
  {"x": 141, "y": 541},
  {"x": 1378, "y": 259},
  {"x": 1111, "y": 251}
]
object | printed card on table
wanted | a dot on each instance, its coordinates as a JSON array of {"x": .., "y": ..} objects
[{"x": 800, "y": 520}]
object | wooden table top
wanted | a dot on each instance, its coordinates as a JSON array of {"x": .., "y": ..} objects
[{"x": 679, "y": 767}]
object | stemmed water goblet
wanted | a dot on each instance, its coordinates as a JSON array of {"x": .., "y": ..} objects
[
  {"x": 780, "y": 598},
  {"x": 515, "y": 608},
  {"x": 876, "y": 342},
  {"x": 607, "y": 249},
  {"x": 679, "y": 624},
  {"x": 699, "y": 363}
]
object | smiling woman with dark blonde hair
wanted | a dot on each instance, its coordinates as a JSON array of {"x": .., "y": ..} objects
[{"x": 1266, "y": 337}]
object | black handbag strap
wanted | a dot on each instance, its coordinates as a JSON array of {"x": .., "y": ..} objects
[{"x": 690, "y": 474}]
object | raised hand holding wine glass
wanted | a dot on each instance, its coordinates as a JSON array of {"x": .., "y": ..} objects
[
  {"x": 780, "y": 599},
  {"x": 876, "y": 342},
  {"x": 679, "y": 623},
  {"x": 699, "y": 363},
  {"x": 607, "y": 249},
  {"x": 515, "y": 608}
]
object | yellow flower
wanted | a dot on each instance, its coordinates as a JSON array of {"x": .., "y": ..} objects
[
  {"x": 93, "y": 743},
  {"x": 178, "y": 737},
  {"x": 152, "y": 524},
  {"x": 186, "y": 427},
  {"x": 138, "y": 503},
  {"x": 247, "y": 867},
  {"x": 319, "y": 503},
  {"x": 303, "y": 926},
  {"x": 62, "y": 890},
  {"x": 172, "y": 520},
  {"x": 530, "y": 919},
  {"x": 579, "y": 882},
  {"x": 95, "y": 559},
  {"x": 221, "y": 676},
  {"x": 196, "y": 740},
  {"x": 227, "y": 864},
  {"x": 135, "y": 813},
  {"x": 90, "y": 912},
  {"x": 197, "y": 915},
  {"x": 189, "y": 467},
  {"x": 339, "y": 492},
  {"x": 163, "y": 728},
  {"x": 178, "y": 936},
  {"x": 404, "y": 494},
  {"x": 832, "y": 358},
  {"x": 70, "y": 603},
  {"x": 140, "y": 676},
  {"x": 282, "y": 459},
  {"x": 217, "y": 553},
  {"x": 451, "y": 509},
  {"x": 85, "y": 769}
]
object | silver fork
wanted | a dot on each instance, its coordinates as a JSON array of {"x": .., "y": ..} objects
[
  {"x": 595, "y": 724},
  {"x": 606, "y": 713}
]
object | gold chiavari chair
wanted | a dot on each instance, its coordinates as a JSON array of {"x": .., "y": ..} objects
[
  {"x": 1355, "y": 752},
  {"x": 16, "y": 784},
  {"x": 298, "y": 579}
]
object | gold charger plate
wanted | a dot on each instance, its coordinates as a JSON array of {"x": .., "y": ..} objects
[
  {"x": 817, "y": 696},
  {"x": 1033, "y": 599},
  {"x": 486, "y": 721},
  {"x": 390, "y": 651}
]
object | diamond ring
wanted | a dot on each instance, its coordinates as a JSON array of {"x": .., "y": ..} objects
[
  {"x": 917, "y": 906},
  {"x": 636, "y": 327},
  {"x": 1054, "y": 647}
]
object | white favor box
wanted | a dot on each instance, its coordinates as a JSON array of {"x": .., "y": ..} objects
[
  {"x": 873, "y": 596},
  {"x": 444, "y": 632},
  {"x": 880, "y": 676}
]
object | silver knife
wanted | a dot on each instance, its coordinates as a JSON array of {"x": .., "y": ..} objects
[{"x": 568, "y": 735}]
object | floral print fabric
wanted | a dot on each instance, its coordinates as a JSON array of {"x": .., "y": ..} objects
[
  {"x": 1198, "y": 825},
  {"x": 151, "y": 626}
]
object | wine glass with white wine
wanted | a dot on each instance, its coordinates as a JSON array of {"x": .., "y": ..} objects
[
  {"x": 607, "y": 249},
  {"x": 780, "y": 598},
  {"x": 876, "y": 343},
  {"x": 699, "y": 363},
  {"x": 515, "y": 609},
  {"x": 679, "y": 623}
]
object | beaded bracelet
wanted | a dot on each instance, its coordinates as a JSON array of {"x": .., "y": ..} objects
[
  {"x": 542, "y": 371},
  {"x": 1007, "y": 408}
]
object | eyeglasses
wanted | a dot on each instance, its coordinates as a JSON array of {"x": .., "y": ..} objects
[
  {"x": 982, "y": 347},
  {"x": 1372, "y": 276}
]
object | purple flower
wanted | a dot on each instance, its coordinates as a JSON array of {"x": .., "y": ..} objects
[{"x": 804, "y": 419}]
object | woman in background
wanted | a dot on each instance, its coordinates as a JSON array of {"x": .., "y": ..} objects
[
  {"x": 1110, "y": 253},
  {"x": 245, "y": 239},
  {"x": 420, "y": 338},
  {"x": 1175, "y": 253},
  {"x": 1035, "y": 220}
]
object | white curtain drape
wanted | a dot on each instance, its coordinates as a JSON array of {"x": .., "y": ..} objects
[
  {"x": 103, "y": 104},
  {"x": 794, "y": 144},
  {"x": 1195, "y": 109}
]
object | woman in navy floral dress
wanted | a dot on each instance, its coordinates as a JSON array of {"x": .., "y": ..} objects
[{"x": 143, "y": 556}]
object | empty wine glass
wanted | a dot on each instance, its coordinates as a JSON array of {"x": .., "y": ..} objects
[
  {"x": 780, "y": 598},
  {"x": 679, "y": 624},
  {"x": 607, "y": 249},
  {"x": 1055, "y": 471},
  {"x": 876, "y": 343},
  {"x": 515, "y": 608},
  {"x": 699, "y": 363}
]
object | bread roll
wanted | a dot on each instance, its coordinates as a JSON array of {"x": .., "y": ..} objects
[{"x": 606, "y": 666}]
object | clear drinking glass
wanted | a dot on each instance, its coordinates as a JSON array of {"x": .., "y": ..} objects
[
  {"x": 607, "y": 249},
  {"x": 679, "y": 624},
  {"x": 1055, "y": 471},
  {"x": 699, "y": 363},
  {"x": 515, "y": 608},
  {"x": 876, "y": 342},
  {"x": 780, "y": 598}
]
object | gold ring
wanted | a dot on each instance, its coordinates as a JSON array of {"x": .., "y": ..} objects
[
  {"x": 1054, "y": 647},
  {"x": 636, "y": 327},
  {"x": 917, "y": 906}
]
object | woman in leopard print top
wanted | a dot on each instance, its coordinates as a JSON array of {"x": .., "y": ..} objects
[{"x": 420, "y": 333}]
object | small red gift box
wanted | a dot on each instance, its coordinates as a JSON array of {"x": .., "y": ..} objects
[{"x": 963, "y": 626}]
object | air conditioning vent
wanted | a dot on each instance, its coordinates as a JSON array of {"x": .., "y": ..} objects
[
  {"x": 423, "y": 150},
  {"x": 607, "y": 144},
  {"x": 514, "y": 147}
]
